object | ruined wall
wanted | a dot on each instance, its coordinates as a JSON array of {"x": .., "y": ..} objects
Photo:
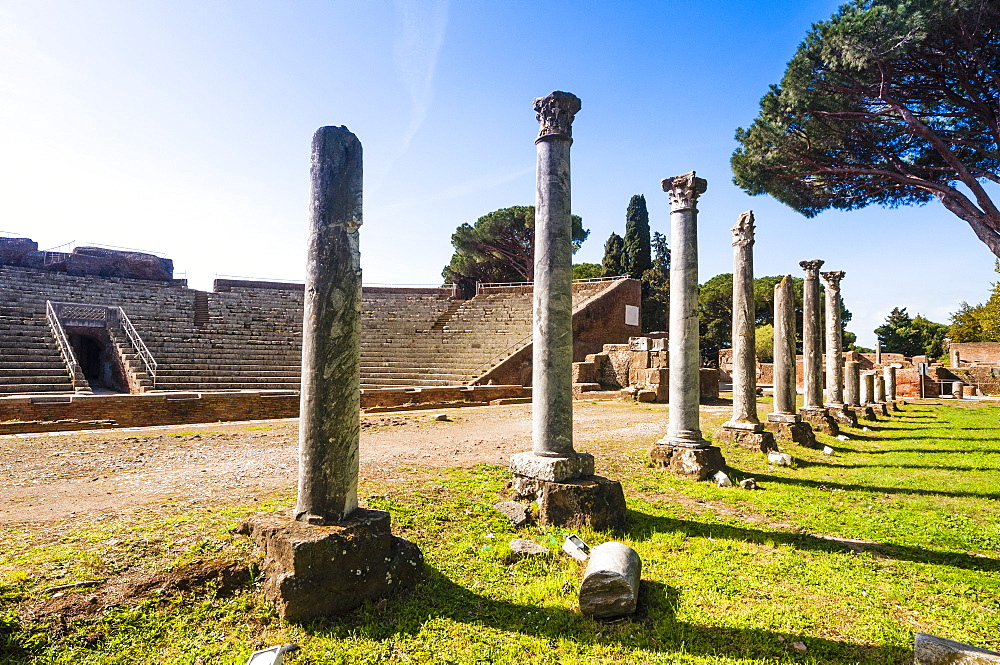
[{"x": 981, "y": 353}]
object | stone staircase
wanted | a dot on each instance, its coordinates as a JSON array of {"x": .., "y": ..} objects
[{"x": 30, "y": 361}]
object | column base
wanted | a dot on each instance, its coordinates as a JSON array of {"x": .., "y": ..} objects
[
  {"x": 797, "y": 432},
  {"x": 696, "y": 463},
  {"x": 552, "y": 469},
  {"x": 894, "y": 404},
  {"x": 881, "y": 407},
  {"x": 866, "y": 412},
  {"x": 843, "y": 414},
  {"x": 313, "y": 571},
  {"x": 593, "y": 501},
  {"x": 820, "y": 419},
  {"x": 752, "y": 436}
]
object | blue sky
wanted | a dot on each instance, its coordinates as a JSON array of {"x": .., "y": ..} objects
[{"x": 184, "y": 127}]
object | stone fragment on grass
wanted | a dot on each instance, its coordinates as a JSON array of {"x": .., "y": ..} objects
[
  {"x": 842, "y": 437},
  {"x": 527, "y": 547},
  {"x": 749, "y": 483},
  {"x": 933, "y": 650},
  {"x": 722, "y": 480},
  {"x": 518, "y": 513},
  {"x": 781, "y": 459},
  {"x": 799, "y": 646},
  {"x": 576, "y": 548},
  {"x": 827, "y": 450},
  {"x": 610, "y": 585}
]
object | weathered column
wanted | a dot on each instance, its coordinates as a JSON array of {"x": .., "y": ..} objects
[
  {"x": 890, "y": 386},
  {"x": 852, "y": 383},
  {"x": 867, "y": 388},
  {"x": 330, "y": 533},
  {"x": 330, "y": 406},
  {"x": 683, "y": 449},
  {"x": 812, "y": 363},
  {"x": 878, "y": 353},
  {"x": 784, "y": 421},
  {"x": 744, "y": 427},
  {"x": 879, "y": 387},
  {"x": 553, "y": 464},
  {"x": 835, "y": 352}
]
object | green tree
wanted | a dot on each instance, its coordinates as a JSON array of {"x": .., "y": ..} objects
[
  {"x": 764, "y": 343},
  {"x": 637, "y": 254},
  {"x": 587, "y": 270},
  {"x": 965, "y": 325},
  {"x": 889, "y": 102},
  {"x": 614, "y": 256},
  {"x": 499, "y": 247},
  {"x": 656, "y": 287},
  {"x": 914, "y": 336}
]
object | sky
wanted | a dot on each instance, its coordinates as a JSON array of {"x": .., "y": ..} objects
[{"x": 184, "y": 128}]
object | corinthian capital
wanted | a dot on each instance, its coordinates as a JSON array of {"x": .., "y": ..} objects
[
  {"x": 743, "y": 231},
  {"x": 684, "y": 190},
  {"x": 812, "y": 268},
  {"x": 555, "y": 113},
  {"x": 832, "y": 279}
]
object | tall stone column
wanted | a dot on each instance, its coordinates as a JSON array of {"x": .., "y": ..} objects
[
  {"x": 744, "y": 427},
  {"x": 812, "y": 363},
  {"x": 553, "y": 465},
  {"x": 683, "y": 449},
  {"x": 878, "y": 353},
  {"x": 784, "y": 421},
  {"x": 835, "y": 352},
  {"x": 344, "y": 555}
]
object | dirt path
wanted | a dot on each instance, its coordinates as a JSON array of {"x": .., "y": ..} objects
[{"x": 53, "y": 477}]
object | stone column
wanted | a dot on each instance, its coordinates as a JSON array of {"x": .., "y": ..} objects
[
  {"x": 879, "y": 388},
  {"x": 867, "y": 388},
  {"x": 890, "y": 386},
  {"x": 878, "y": 353},
  {"x": 683, "y": 449},
  {"x": 553, "y": 462},
  {"x": 852, "y": 383},
  {"x": 330, "y": 406},
  {"x": 835, "y": 352},
  {"x": 744, "y": 427},
  {"x": 334, "y": 556},
  {"x": 812, "y": 363},
  {"x": 784, "y": 421}
]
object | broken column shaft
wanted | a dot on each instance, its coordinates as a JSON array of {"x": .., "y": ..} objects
[
  {"x": 835, "y": 352},
  {"x": 783, "y": 420}
]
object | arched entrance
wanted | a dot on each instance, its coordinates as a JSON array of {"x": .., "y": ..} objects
[{"x": 97, "y": 359}]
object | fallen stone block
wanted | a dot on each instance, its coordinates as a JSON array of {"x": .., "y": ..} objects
[
  {"x": 749, "y": 484},
  {"x": 781, "y": 459},
  {"x": 827, "y": 450},
  {"x": 527, "y": 547},
  {"x": 722, "y": 480},
  {"x": 933, "y": 650},
  {"x": 610, "y": 585},
  {"x": 518, "y": 513}
]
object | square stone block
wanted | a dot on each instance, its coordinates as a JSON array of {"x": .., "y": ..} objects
[
  {"x": 797, "y": 432},
  {"x": 592, "y": 501},
  {"x": 820, "y": 420},
  {"x": 313, "y": 571},
  {"x": 552, "y": 469},
  {"x": 696, "y": 463},
  {"x": 752, "y": 438}
]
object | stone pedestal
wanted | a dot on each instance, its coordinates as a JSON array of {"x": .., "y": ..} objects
[
  {"x": 752, "y": 436},
  {"x": 867, "y": 412},
  {"x": 695, "y": 463},
  {"x": 791, "y": 428},
  {"x": 820, "y": 419},
  {"x": 843, "y": 414},
  {"x": 571, "y": 501},
  {"x": 313, "y": 571}
]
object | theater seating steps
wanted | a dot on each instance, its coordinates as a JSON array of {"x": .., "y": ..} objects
[{"x": 248, "y": 337}]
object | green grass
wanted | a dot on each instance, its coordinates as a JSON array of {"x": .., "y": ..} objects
[{"x": 729, "y": 576}]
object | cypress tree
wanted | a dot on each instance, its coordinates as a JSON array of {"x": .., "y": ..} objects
[
  {"x": 636, "y": 257},
  {"x": 613, "y": 256}
]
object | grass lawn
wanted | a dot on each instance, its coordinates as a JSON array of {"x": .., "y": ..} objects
[{"x": 848, "y": 554}]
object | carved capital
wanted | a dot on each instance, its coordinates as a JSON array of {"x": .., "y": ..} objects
[
  {"x": 743, "y": 231},
  {"x": 684, "y": 190},
  {"x": 833, "y": 278},
  {"x": 812, "y": 268},
  {"x": 555, "y": 113}
]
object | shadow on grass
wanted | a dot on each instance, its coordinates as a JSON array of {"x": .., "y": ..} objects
[
  {"x": 803, "y": 464},
  {"x": 653, "y": 628},
  {"x": 831, "y": 485},
  {"x": 643, "y": 525}
]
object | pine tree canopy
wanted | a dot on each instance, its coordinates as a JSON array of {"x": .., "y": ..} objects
[{"x": 889, "y": 102}]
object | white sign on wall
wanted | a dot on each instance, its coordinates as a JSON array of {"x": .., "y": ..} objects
[{"x": 631, "y": 315}]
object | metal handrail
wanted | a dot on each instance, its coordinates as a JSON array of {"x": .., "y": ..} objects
[
  {"x": 140, "y": 347},
  {"x": 64, "y": 346},
  {"x": 582, "y": 280}
]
